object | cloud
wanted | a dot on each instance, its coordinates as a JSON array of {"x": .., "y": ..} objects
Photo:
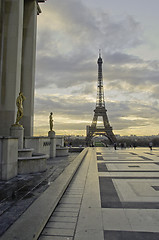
[
  {"x": 67, "y": 49},
  {"x": 64, "y": 105},
  {"x": 64, "y": 71},
  {"x": 121, "y": 58},
  {"x": 155, "y": 92}
]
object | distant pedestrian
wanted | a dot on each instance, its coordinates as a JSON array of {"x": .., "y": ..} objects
[
  {"x": 122, "y": 145},
  {"x": 134, "y": 145},
  {"x": 150, "y": 146},
  {"x": 115, "y": 145}
]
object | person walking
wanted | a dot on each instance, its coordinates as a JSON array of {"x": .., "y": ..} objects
[
  {"x": 115, "y": 145},
  {"x": 150, "y": 146}
]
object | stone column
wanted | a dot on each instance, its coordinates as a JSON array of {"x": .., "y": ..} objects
[
  {"x": 11, "y": 26},
  {"x": 28, "y": 63}
]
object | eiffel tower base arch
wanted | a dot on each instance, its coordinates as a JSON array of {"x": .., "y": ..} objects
[{"x": 91, "y": 132}]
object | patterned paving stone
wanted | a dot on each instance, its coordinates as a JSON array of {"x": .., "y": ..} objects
[
  {"x": 55, "y": 238},
  {"x": 59, "y": 225},
  {"x": 63, "y": 219},
  {"x": 58, "y": 232},
  {"x": 126, "y": 235}
]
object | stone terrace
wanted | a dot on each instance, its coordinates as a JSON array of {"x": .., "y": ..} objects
[{"x": 17, "y": 194}]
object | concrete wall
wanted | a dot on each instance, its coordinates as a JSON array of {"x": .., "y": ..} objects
[
  {"x": 44, "y": 145},
  {"x": 39, "y": 144},
  {"x": 59, "y": 141},
  {"x": 32, "y": 165},
  {"x": 8, "y": 157}
]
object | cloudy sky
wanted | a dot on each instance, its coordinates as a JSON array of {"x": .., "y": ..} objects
[{"x": 69, "y": 36}]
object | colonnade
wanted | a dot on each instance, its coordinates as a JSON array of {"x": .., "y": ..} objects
[{"x": 18, "y": 25}]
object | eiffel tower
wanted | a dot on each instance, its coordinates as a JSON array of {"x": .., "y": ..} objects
[{"x": 100, "y": 111}]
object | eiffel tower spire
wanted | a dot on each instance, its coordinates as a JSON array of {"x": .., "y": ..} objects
[
  {"x": 100, "y": 91},
  {"x": 100, "y": 110}
]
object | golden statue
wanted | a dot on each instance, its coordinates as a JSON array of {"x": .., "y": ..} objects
[
  {"x": 51, "y": 121},
  {"x": 19, "y": 103}
]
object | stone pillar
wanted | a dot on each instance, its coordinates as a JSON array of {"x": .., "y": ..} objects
[
  {"x": 51, "y": 135},
  {"x": 28, "y": 63},
  {"x": 11, "y": 26}
]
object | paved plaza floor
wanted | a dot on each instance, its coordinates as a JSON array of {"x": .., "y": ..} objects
[{"x": 113, "y": 196}]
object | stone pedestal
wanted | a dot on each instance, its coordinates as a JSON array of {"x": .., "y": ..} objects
[
  {"x": 18, "y": 131},
  {"x": 51, "y": 135},
  {"x": 25, "y": 152},
  {"x": 62, "y": 151},
  {"x": 8, "y": 157}
]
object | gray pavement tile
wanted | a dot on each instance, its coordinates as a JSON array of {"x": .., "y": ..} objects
[
  {"x": 61, "y": 209},
  {"x": 109, "y": 196},
  {"x": 115, "y": 219},
  {"x": 143, "y": 220},
  {"x": 126, "y": 235},
  {"x": 64, "y": 225},
  {"x": 141, "y": 205},
  {"x": 89, "y": 234},
  {"x": 149, "y": 153},
  {"x": 63, "y": 219},
  {"x": 156, "y": 188},
  {"x": 99, "y": 158},
  {"x": 90, "y": 218},
  {"x": 75, "y": 191},
  {"x": 130, "y": 177},
  {"x": 130, "y": 162},
  {"x": 145, "y": 158},
  {"x": 71, "y": 200},
  {"x": 134, "y": 175},
  {"x": 58, "y": 232},
  {"x": 65, "y": 214},
  {"x": 69, "y": 205},
  {"x": 76, "y": 188},
  {"x": 133, "y": 153},
  {"x": 54, "y": 238},
  {"x": 72, "y": 196},
  {"x": 135, "y": 170},
  {"x": 135, "y": 166},
  {"x": 102, "y": 167}
]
